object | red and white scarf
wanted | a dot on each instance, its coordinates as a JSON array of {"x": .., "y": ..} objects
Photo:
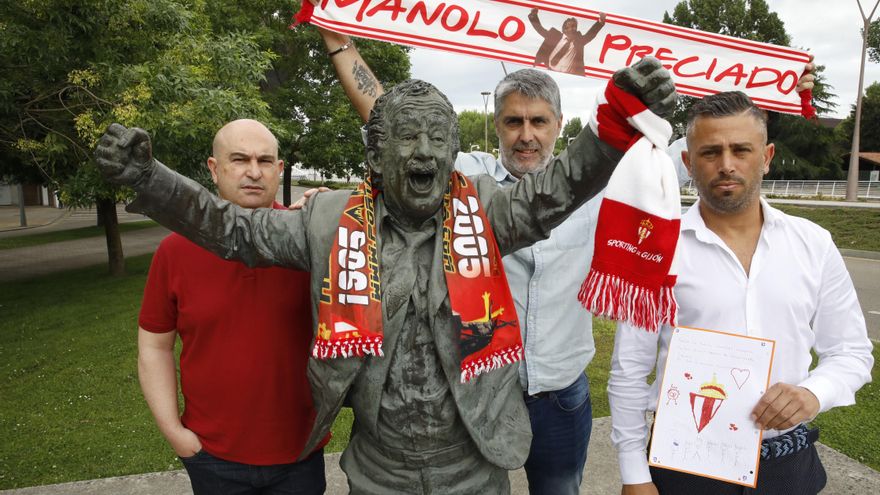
[
  {"x": 633, "y": 270},
  {"x": 483, "y": 313}
]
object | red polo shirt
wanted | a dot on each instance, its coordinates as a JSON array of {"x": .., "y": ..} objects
[{"x": 245, "y": 337}]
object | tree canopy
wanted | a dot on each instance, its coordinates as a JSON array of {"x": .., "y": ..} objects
[
  {"x": 869, "y": 139},
  {"x": 810, "y": 151},
  {"x": 179, "y": 69},
  {"x": 569, "y": 131},
  {"x": 472, "y": 131}
]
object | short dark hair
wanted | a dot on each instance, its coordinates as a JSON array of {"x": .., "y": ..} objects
[
  {"x": 376, "y": 132},
  {"x": 726, "y": 104}
]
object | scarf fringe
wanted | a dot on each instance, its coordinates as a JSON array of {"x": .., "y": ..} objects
[
  {"x": 494, "y": 361},
  {"x": 612, "y": 297},
  {"x": 668, "y": 306},
  {"x": 325, "y": 349}
]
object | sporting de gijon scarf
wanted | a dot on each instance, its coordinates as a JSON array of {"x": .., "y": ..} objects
[
  {"x": 483, "y": 313},
  {"x": 633, "y": 271}
]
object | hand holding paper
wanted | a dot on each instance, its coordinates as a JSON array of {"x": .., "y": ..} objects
[{"x": 784, "y": 406}]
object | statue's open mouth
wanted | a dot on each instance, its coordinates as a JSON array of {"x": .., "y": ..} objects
[{"x": 422, "y": 180}]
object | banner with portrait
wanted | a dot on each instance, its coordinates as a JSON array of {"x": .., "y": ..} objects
[{"x": 569, "y": 37}]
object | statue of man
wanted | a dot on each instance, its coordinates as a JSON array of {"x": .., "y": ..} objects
[{"x": 426, "y": 315}]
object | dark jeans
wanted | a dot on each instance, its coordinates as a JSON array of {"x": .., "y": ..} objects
[
  {"x": 212, "y": 476},
  {"x": 800, "y": 473},
  {"x": 561, "y": 424}
]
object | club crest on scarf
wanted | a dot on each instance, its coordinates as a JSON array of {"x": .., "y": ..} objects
[
  {"x": 645, "y": 228},
  {"x": 483, "y": 314}
]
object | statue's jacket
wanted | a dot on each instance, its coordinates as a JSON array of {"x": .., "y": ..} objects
[{"x": 491, "y": 405}]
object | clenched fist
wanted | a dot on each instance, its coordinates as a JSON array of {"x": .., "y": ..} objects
[{"x": 125, "y": 156}]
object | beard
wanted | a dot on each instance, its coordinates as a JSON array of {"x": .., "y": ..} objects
[
  {"x": 517, "y": 168},
  {"x": 730, "y": 201}
]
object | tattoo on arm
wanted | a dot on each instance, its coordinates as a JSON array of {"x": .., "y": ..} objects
[{"x": 366, "y": 83}]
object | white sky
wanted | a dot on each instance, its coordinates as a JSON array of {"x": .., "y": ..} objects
[{"x": 830, "y": 30}]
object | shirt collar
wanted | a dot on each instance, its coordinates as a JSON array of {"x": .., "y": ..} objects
[
  {"x": 501, "y": 174},
  {"x": 494, "y": 167},
  {"x": 693, "y": 221}
]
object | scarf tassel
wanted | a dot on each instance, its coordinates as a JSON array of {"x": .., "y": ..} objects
[
  {"x": 612, "y": 297},
  {"x": 348, "y": 348},
  {"x": 494, "y": 361}
]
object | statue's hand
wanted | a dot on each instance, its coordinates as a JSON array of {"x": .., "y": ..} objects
[
  {"x": 125, "y": 156},
  {"x": 651, "y": 83}
]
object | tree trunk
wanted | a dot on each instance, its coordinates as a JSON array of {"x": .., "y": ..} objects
[{"x": 107, "y": 217}]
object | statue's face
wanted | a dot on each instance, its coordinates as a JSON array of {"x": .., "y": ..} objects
[{"x": 417, "y": 157}]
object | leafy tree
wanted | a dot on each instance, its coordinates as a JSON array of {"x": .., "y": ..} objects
[
  {"x": 804, "y": 150},
  {"x": 78, "y": 66},
  {"x": 798, "y": 142},
  {"x": 177, "y": 68},
  {"x": 749, "y": 19},
  {"x": 321, "y": 129},
  {"x": 570, "y": 130},
  {"x": 870, "y": 130},
  {"x": 874, "y": 41},
  {"x": 472, "y": 131}
]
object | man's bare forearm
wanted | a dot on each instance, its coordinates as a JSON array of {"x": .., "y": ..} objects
[
  {"x": 359, "y": 83},
  {"x": 158, "y": 378}
]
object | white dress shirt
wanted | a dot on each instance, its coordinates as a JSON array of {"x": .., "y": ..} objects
[
  {"x": 544, "y": 279},
  {"x": 797, "y": 292}
]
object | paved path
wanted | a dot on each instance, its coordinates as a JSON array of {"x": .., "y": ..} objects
[
  {"x": 34, "y": 261},
  {"x": 845, "y": 476}
]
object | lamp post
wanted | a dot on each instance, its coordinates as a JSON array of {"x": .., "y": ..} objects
[{"x": 486, "y": 117}]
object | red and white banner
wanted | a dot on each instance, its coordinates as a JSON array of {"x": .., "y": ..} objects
[{"x": 508, "y": 30}]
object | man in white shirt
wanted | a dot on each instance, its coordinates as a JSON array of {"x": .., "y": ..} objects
[{"x": 747, "y": 268}]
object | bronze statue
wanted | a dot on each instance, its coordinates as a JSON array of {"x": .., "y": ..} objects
[{"x": 418, "y": 427}]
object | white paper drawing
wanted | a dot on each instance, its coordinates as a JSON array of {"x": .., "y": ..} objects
[{"x": 720, "y": 377}]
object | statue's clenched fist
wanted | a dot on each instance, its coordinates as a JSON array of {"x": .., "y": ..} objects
[
  {"x": 125, "y": 156},
  {"x": 648, "y": 80}
]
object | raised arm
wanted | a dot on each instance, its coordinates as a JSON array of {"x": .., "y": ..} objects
[
  {"x": 536, "y": 23},
  {"x": 597, "y": 26},
  {"x": 257, "y": 237},
  {"x": 358, "y": 81}
]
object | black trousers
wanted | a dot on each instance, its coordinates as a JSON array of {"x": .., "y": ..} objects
[{"x": 800, "y": 473}]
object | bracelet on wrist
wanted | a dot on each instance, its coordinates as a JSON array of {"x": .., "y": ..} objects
[{"x": 340, "y": 49}]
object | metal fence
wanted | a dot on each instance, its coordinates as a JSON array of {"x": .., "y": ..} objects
[{"x": 828, "y": 189}]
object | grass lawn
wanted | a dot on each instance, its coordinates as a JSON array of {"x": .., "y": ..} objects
[
  {"x": 851, "y": 228},
  {"x": 71, "y": 406},
  {"x": 69, "y": 235}
]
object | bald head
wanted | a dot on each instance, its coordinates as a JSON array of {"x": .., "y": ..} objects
[
  {"x": 245, "y": 165},
  {"x": 240, "y": 129}
]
